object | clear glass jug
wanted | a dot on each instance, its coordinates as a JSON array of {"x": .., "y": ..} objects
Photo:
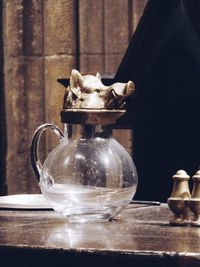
[{"x": 89, "y": 176}]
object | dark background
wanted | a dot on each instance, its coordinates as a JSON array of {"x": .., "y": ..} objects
[{"x": 164, "y": 61}]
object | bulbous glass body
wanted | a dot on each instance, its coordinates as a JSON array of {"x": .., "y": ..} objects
[{"x": 89, "y": 176}]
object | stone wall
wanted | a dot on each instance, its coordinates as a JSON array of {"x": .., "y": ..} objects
[{"x": 42, "y": 41}]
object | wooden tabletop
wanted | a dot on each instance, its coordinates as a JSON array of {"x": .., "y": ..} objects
[{"x": 140, "y": 235}]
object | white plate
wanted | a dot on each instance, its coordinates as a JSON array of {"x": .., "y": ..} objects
[{"x": 24, "y": 201}]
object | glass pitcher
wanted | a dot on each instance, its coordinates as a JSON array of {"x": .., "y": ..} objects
[{"x": 89, "y": 176}]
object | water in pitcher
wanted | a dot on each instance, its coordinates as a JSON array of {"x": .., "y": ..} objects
[{"x": 84, "y": 203}]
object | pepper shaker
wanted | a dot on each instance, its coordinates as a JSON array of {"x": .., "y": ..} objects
[
  {"x": 178, "y": 201},
  {"x": 194, "y": 202}
]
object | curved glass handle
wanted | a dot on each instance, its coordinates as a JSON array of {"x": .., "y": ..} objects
[{"x": 35, "y": 161}]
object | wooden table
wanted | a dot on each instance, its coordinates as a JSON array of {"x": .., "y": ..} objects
[{"x": 139, "y": 236}]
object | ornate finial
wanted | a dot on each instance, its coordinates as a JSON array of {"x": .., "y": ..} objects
[{"x": 88, "y": 92}]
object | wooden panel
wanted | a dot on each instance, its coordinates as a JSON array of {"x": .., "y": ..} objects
[
  {"x": 112, "y": 62},
  {"x": 116, "y": 33},
  {"x": 2, "y": 111},
  {"x": 35, "y": 111},
  {"x": 116, "y": 26},
  {"x": 138, "y": 8},
  {"x": 32, "y": 27},
  {"x": 90, "y": 64},
  {"x": 60, "y": 49},
  {"x": 15, "y": 97},
  {"x": 55, "y": 67},
  {"x": 33, "y": 75},
  {"x": 13, "y": 28},
  {"x": 91, "y": 34},
  {"x": 23, "y": 84},
  {"x": 91, "y": 26},
  {"x": 17, "y": 156},
  {"x": 59, "y": 27}
]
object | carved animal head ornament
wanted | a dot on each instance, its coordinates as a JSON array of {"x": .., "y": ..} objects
[{"x": 88, "y": 92}]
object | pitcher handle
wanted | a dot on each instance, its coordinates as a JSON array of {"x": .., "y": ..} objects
[{"x": 34, "y": 155}]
